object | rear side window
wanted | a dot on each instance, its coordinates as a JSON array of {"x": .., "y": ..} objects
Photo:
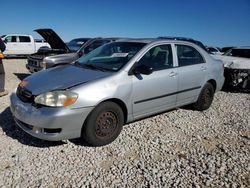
[
  {"x": 24, "y": 39},
  {"x": 188, "y": 55}
]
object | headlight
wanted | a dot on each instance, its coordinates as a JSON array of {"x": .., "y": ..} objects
[
  {"x": 43, "y": 64},
  {"x": 56, "y": 98}
]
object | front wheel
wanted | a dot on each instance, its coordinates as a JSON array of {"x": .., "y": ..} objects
[
  {"x": 205, "y": 98},
  {"x": 104, "y": 124}
]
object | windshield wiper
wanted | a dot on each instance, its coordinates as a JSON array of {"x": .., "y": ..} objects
[{"x": 94, "y": 67}]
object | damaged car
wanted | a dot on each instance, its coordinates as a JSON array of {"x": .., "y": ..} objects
[
  {"x": 58, "y": 46},
  {"x": 237, "y": 68}
]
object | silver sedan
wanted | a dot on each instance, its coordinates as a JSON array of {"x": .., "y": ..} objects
[{"x": 115, "y": 84}]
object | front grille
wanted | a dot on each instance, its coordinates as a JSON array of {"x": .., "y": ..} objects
[
  {"x": 33, "y": 62},
  {"x": 37, "y": 129},
  {"x": 24, "y": 95}
]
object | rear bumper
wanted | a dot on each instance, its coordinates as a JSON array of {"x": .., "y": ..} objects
[
  {"x": 47, "y": 123},
  {"x": 220, "y": 83}
]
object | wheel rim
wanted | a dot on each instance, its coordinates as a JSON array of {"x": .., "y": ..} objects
[{"x": 106, "y": 124}]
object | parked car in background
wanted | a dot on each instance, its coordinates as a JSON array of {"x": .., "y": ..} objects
[
  {"x": 114, "y": 84},
  {"x": 214, "y": 50},
  {"x": 75, "y": 44},
  {"x": 237, "y": 68},
  {"x": 61, "y": 59},
  {"x": 22, "y": 45},
  {"x": 225, "y": 49},
  {"x": 57, "y": 47}
]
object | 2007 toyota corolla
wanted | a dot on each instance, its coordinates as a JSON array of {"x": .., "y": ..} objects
[{"x": 115, "y": 84}]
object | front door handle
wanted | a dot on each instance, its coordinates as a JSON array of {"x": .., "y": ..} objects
[
  {"x": 203, "y": 68},
  {"x": 172, "y": 74}
]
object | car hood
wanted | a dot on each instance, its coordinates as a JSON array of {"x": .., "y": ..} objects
[
  {"x": 53, "y": 39},
  {"x": 60, "y": 78},
  {"x": 234, "y": 62},
  {"x": 62, "y": 58}
]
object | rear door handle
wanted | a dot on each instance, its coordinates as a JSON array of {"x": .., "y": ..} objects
[
  {"x": 203, "y": 68},
  {"x": 172, "y": 74}
]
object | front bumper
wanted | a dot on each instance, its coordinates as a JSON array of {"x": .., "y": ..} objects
[{"x": 48, "y": 123}]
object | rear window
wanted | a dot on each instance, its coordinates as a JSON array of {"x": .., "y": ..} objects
[
  {"x": 24, "y": 39},
  {"x": 95, "y": 45}
]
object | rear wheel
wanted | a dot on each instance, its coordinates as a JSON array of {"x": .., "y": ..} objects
[
  {"x": 104, "y": 124},
  {"x": 205, "y": 98}
]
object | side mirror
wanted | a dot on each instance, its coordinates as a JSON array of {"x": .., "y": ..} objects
[{"x": 143, "y": 69}]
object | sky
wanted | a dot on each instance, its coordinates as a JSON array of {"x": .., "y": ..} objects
[{"x": 213, "y": 22}]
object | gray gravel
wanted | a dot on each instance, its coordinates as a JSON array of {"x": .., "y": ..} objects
[{"x": 180, "y": 148}]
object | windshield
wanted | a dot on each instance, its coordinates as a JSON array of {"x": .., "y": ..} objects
[
  {"x": 110, "y": 57},
  {"x": 77, "y": 42},
  {"x": 245, "y": 53},
  {"x": 3, "y": 36}
]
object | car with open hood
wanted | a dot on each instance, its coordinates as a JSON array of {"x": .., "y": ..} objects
[
  {"x": 117, "y": 83},
  {"x": 62, "y": 59},
  {"x": 58, "y": 46},
  {"x": 237, "y": 68}
]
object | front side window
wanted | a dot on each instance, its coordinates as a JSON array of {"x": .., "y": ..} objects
[
  {"x": 24, "y": 39},
  {"x": 159, "y": 58},
  {"x": 188, "y": 55},
  {"x": 110, "y": 57},
  {"x": 11, "y": 39}
]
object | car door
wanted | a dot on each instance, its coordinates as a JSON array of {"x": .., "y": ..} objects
[
  {"x": 11, "y": 45},
  {"x": 192, "y": 70},
  {"x": 157, "y": 91},
  {"x": 25, "y": 44}
]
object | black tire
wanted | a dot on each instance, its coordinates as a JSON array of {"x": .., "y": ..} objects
[
  {"x": 103, "y": 125},
  {"x": 205, "y": 98}
]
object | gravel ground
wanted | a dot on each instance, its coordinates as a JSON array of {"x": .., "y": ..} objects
[{"x": 180, "y": 148}]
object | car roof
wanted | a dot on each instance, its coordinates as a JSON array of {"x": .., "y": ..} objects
[{"x": 150, "y": 40}]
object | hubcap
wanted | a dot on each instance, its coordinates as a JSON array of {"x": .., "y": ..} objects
[
  {"x": 106, "y": 124},
  {"x": 207, "y": 96}
]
